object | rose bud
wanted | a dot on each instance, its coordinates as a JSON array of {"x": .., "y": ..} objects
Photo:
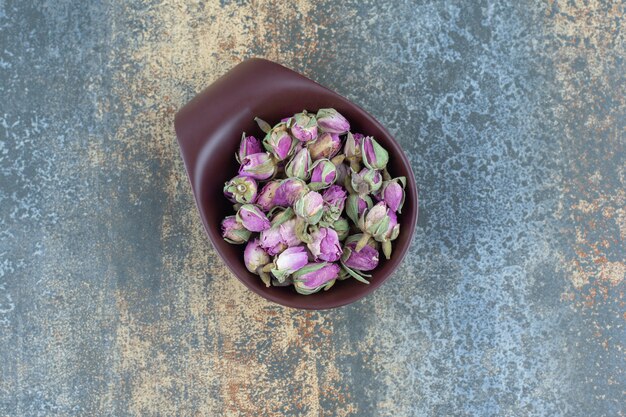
[
  {"x": 255, "y": 257},
  {"x": 289, "y": 191},
  {"x": 325, "y": 245},
  {"x": 272, "y": 241},
  {"x": 265, "y": 199},
  {"x": 314, "y": 276},
  {"x": 300, "y": 165},
  {"x": 289, "y": 261},
  {"x": 304, "y": 127},
  {"x": 331, "y": 121},
  {"x": 352, "y": 149},
  {"x": 356, "y": 206},
  {"x": 323, "y": 174},
  {"x": 374, "y": 155},
  {"x": 325, "y": 146},
  {"x": 374, "y": 224},
  {"x": 279, "y": 143},
  {"x": 248, "y": 146},
  {"x": 364, "y": 260},
  {"x": 241, "y": 190},
  {"x": 260, "y": 166},
  {"x": 367, "y": 181},
  {"x": 392, "y": 193},
  {"x": 253, "y": 218},
  {"x": 310, "y": 207},
  {"x": 288, "y": 233},
  {"x": 233, "y": 231},
  {"x": 334, "y": 202},
  {"x": 342, "y": 227},
  {"x": 393, "y": 230}
]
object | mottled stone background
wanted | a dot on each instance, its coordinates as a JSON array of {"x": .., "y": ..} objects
[{"x": 511, "y": 303}]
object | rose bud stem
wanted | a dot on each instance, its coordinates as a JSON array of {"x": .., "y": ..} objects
[
  {"x": 387, "y": 249},
  {"x": 362, "y": 242}
]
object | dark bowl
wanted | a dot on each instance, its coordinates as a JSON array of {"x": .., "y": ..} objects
[{"x": 209, "y": 130}]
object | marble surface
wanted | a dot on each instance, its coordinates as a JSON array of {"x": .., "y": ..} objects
[{"x": 511, "y": 302}]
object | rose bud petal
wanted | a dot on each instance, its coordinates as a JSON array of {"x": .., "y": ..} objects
[
  {"x": 279, "y": 143},
  {"x": 330, "y": 120},
  {"x": 271, "y": 241},
  {"x": 374, "y": 155},
  {"x": 326, "y": 146},
  {"x": 260, "y": 166},
  {"x": 288, "y": 233},
  {"x": 248, "y": 146},
  {"x": 310, "y": 207},
  {"x": 356, "y": 205},
  {"x": 289, "y": 261},
  {"x": 342, "y": 227},
  {"x": 364, "y": 260},
  {"x": 392, "y": 193},
  {"x": 265, "y": 199},
  {"x": 300, "y": 165},
  {"x": 334, "y": 202},
  {"x": 289, "y": 191},
  {"x": 323, "y": 174},
  {"x": 241, "y": 190},
  {"x": 367, "y": 181},
  {"x": 255, "y": 257},
  {"x": 253, "y": 218},
  {"x": 233, "y": 231},
  {"x": 304, "y": 127},
  {"x": 325, "y": 245},
  {"x": 314, "y": 276}
]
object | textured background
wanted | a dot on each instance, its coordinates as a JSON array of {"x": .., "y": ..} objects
[{"x": 113, "y": 302}]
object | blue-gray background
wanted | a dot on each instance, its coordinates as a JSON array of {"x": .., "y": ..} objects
[{"x": 511, "y": 302}]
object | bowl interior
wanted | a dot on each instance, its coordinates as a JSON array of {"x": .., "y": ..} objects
[{"x": 271, "y": 92}]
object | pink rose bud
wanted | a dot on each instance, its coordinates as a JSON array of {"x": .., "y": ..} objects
[
  {"x": 392, "y": 193},
  {"x": 241, "y": 190},
  {"x": 364, "y": 260},
  {"x": 356, "y": 205},
  {"x": 367, "y": 181},
  {"x": 248, "y": 146},
  {"x": 300, "y": 165},
  {"x": 342, "y": 227},
  {"x": 289, "y": 261},
  {"x": 255, "y": 257},
  {"x": 253, "y": 218},
  {"x": 233, "y": 231},
  {"x": 325, "y": 245},
  {"x": 272, "y": 241},
  {"x": 326, "y": 146},
  {"x": 376, "y": 222},
  {"x": 352, "y": 148},
  {"x": 260, "y": 166},
  {"x": 323, "y": 174},
  {"x": 289, "y": 191},
  {"x": 279, "y": 143},
  {"x": 331, "y": 121},
  {"x": 334, "y": 202},
  {"x": 310, "y": 207},
  {"x": 314, "y": 276},
  {"x": 393, "y": 230},
  {"x": 288, "y": 233},
  {"x": 304, "y": 127},
  {"x": 265, "y": 199},
  {"x": 374, "y": 155}
]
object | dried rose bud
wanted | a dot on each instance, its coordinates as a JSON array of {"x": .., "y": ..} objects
[
  {"x": 304, "y": 127},
  {"x": 325, "y": 245},
  {"x": 310, "y": 207},
  {"x": 323, "y": 174},
  {"x": 260, "y": 166},
  {"x": 272, "y": 241},
  {"x": 314, "y": 276},
  {"x": 248, "y": 146},
  {"x": 241, "y": 190},
  {"x": 366, "y": 181},
  {"x": 289, "y": 191},
  {"x": 356, "y": 205},
  {"x": 393, "y": 230},
  {"x": 375, "y": 223},
  {"x": 279, "y": 143},
  {"x": 364, "y": 260},
  {"x": 300, "y": 165},
  {"x": 342, "y": 227},
  {"x": 265, "y": 199},
  {"x": 325, "y": 146},
  {"x": 334, "y": 202},
  {"x": 374, "y": 155},
  {"x": 253, "y": 218},
  {"x": 288, "y": 233},
  {"x": 233, "y": 231},
  {"x": 352, "y": 149},
  {"x": 330, "y": 120},
  {"x": 289, "y": 261},
  {"x": 255, "y": 257},
  {"x": 392, "y": 193}
]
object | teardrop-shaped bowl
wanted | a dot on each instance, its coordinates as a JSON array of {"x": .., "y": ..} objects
[{"x": 209, "y": 130}]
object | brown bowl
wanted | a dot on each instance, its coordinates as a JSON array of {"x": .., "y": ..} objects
[{"x": 209, "y": 130}]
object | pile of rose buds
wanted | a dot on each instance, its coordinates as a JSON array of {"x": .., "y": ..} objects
[{"x": 293, "y": 193}]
